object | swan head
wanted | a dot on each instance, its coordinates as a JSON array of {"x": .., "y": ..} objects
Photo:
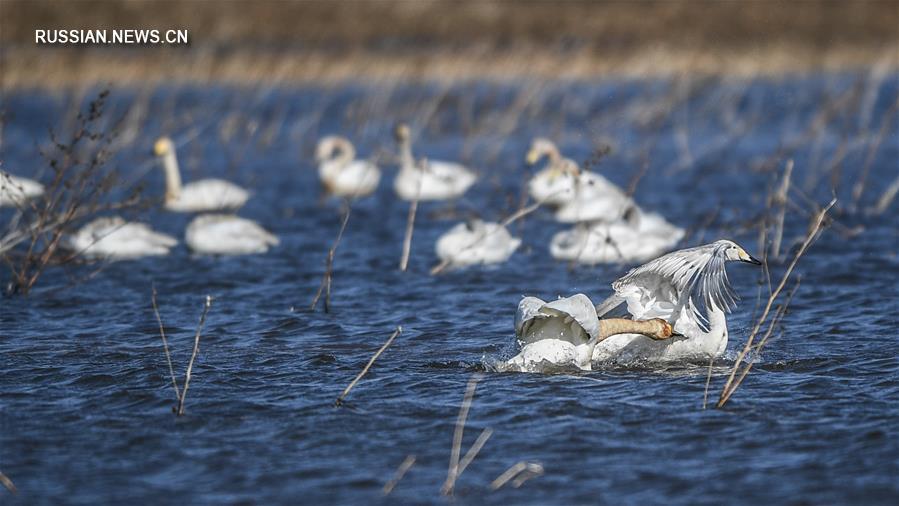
[
  {"x": 541, "y": 147},
  {"x": 732, "y": 252},
  {"x": 163, "y": 146},
  {"x": 402, "y": 133}
]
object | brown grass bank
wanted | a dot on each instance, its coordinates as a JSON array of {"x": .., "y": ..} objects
[{"x": 247, "y": 42}]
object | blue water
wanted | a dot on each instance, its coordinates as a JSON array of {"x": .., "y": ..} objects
[{"x": 85, "y": 399}]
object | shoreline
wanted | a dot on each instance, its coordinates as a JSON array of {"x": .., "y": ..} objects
[
  {"x": 280, "y": 42},
  {"x": 67, "y": 68}
]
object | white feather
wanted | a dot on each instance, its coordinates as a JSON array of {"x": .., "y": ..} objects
[
  {"x": 476, "y": 242},
  {"x": 224, "y": 234},
  {"x": 114, "y": 238},
  {"x": 15, "y": 191}
]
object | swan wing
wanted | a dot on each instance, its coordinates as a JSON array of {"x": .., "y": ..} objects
[
  {"x": 570, "y": 319},
  {"x": 225, "y": 235},
  {"x": 668, "y": 284},
  {"x": 210, "y": 195},
  {"x": 358, "y": 178}
]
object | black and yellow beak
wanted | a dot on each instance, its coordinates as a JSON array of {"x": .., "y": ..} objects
[{"x": 746, "y": 257}]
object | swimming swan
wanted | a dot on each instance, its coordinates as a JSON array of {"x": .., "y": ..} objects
[
  {"x": 667, "y": 288},
  {"x": 15, "y": 191},
  {"x": 428, "y": 179},
  {"x": 577, "y": 195},
  {"x": 636, "y": 238},
  {"x": 197, "y": 196},
  {"x": 340, "y": 173},
  {"x": 113, "y": 238},
  {"x": 226, "y": 234},
  {"x": 476, "y": 242}
]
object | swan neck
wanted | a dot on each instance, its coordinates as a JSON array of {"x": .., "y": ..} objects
[
  {"x": 345, "y": 152},
  {"x": 552, "y": 152},
  {"x": 172, "y": 176},
  {"x": 406, "y": 158}
]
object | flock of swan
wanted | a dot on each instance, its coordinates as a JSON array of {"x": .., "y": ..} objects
[{"x": 688, "y": 289}]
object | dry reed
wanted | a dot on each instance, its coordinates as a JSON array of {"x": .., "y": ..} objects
[
  {"x": 518, "y": 474},
  {"x": 401, "y": 471},
  {"x": 80, "y": 188},
  {"x": 734, "y": 381},
  {"x": 325, "y": 286},
  {"x": 456, "y": 466},
  {"x": 346, "y": 391},
  {"x": 8, "y": 483},
  {"x": 410, "y": 225},
  {"x": 193, "y": 355},
  {"x": 181, "y": 394}
]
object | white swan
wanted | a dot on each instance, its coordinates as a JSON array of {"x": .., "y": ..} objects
[
  {"x": 340, "y": 173},
  {"x": 577, "y": 195},
  {"x": 476, "y": 242},
  {"x": 114, "y": 238},
  {"x": 197, "y": 196},
  {"x": 637, "y": 237},
  {"x": 553, "y": 185},
  {"x": 15, "y": 191},
  {"x": 663, "y": 288},
  {"x": 428, "y": 179},
  {"x": 226, "y": 234}
]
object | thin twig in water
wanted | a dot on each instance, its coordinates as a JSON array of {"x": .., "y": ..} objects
[
  {"x": 339, "y": 401},
  {"x": 8, "y": 483},
  {"x": 193, "y": 355},
  {"x": 708, "y": 381},
  {"x": 731, "y": 386},
  {"x": 165, "y": 346},
  {"x": 325, "y": 286},
  {"x": 407, "y": 240},
  {"x": 454, "y": 468},
  {"x": 521, "y": 472},
  {"x": 474, "y": 449},
  {"x": 398, "y": 475},
  {"x": 887, "y": 198},
  {"x": 780, "y": 200},
  {"x": 410, "y": 222}
]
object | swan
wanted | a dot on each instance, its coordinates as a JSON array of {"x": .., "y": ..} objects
[
  {"x": 113, "y": 238},
  {"x": 577, "y": 195},
  {"x": 428, "y": 179},
  {"x": 340, "y": 173},
  {"x": 197, "y": 196},
  {"x": 564, "y": 332},
  {"x": 15, "y": 191},
  {"x": 553, "y": 185},
  {"x": 638, "y": 237},
  {"x": 476, "y": 242},
  {"x": 668, "y": 287},
  {"x": 226, "y": 234}
]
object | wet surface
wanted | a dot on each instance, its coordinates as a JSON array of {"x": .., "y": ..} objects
[{"x": 85, "y": 398}]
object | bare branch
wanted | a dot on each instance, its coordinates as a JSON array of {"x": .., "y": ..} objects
[
  {"x": 731, "y": 385},
  {"x": 346, "y": 391},
  {"x": 401, "y": 471},
  {"x": 193, "y": 355}
]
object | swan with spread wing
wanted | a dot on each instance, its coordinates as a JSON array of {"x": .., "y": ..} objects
[{"x": 687, "y": 288}]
